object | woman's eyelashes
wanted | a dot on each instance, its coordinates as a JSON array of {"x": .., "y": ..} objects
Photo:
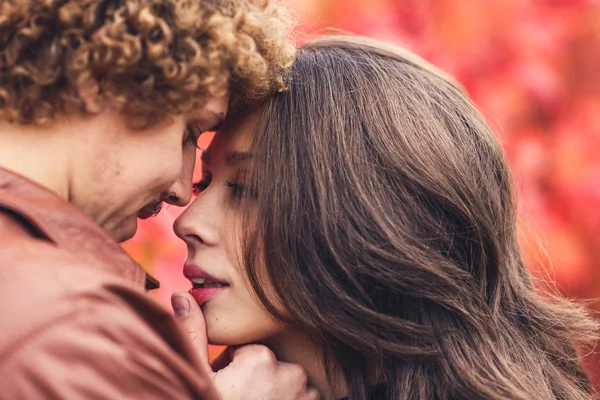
[{"x": 239, "y": 190}]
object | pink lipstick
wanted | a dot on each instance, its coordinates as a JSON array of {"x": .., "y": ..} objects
[{"x": 204, "y": 285}]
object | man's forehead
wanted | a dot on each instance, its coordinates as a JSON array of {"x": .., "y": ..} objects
[
  {"x": 214, "y": 109},
  {"x": 219, "y": 105}
]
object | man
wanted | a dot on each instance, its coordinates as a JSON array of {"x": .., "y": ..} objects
[{"x": 101, "y": 105}]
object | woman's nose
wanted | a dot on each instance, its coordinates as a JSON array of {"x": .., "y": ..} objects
[{"x": 198, "y": 224}]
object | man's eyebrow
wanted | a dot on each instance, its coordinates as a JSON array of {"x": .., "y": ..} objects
[
  {"x": 219, "y": 118},
  {"x": 237, "y": 157}
]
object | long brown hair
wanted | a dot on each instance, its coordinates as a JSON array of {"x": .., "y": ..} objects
[{"x": 385, "y": 221}]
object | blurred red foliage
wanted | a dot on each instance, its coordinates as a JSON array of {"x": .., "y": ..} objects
[{"x": 533, "y": 68}]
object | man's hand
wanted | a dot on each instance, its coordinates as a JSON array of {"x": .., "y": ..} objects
[{"x": 249, "y": 372}]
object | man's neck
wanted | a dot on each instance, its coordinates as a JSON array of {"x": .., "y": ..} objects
[{"x": 36, "y": 153}]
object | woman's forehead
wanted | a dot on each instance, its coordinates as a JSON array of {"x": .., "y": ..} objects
[
  {"x": 236, "y": 134},
  {"x": 233, "y": 142}
]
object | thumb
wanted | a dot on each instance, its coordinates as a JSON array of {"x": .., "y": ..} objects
[{"x": 192, "y": 321}]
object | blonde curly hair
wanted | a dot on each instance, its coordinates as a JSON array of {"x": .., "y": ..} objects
[{"x": 150, "y": 57}]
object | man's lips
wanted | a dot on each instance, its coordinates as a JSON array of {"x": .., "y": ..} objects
[
  {"x": 204, "y": 285},
  {"x": 150, "y": 210}
]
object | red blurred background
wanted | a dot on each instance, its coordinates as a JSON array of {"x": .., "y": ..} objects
[{"x": 533, "y": 68}]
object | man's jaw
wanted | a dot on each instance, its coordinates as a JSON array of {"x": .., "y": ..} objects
[{"x": 128, "y": 228}]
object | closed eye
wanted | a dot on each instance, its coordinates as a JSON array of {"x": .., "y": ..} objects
[
  {"x": 240, "y": 190},
  {"x": 192, "y": 134},
  {"x": 215, "y": 128},
  {"x": 200, "y": 186}
]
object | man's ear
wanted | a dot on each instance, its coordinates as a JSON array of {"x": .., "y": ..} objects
[{"x": 88, "y": 90}]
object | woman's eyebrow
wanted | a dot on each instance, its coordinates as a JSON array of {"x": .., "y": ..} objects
[
  {"x": 232, "y": 159},
  {"x": 237, "y": 157}
]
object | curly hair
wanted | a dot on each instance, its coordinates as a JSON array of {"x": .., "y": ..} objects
[{"x": 150, "y": 57}]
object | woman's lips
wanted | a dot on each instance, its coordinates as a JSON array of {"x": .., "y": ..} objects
[
  {"x": 205, "y": 286},
  {"x": 203, "y": 295}
]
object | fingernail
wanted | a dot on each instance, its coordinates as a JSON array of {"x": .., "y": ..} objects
[{"x": 181, "y": 306}]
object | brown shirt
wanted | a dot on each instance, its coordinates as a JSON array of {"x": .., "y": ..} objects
[{"x": 75, "y": 322}]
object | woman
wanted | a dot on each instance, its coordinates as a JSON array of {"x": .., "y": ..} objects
[{"x": 362, "y": 224}]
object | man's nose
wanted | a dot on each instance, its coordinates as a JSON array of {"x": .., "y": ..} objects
[{"x": 180, "y": 193}]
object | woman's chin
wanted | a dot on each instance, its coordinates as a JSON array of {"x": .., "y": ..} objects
[
  {"x": 242, "y": 326},
  {"x": 223, "y": 339},
  {"x": 220, "y": 335}
]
